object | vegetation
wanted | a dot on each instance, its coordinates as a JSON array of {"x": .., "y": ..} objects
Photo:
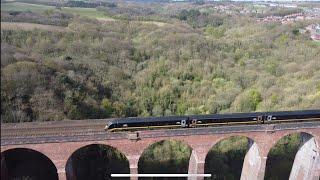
[
  {"x": 280, "y": 12},
  {"x": 225, "y": 159},
  {"x": 36, "y": 8},
  {"x": 165, "y": 157},
  {"x": 17, "y": 6},
  {"x": 85, "y": 4},
  {"x": 281, "y": 157},
  {"x": 130, "y": 59},
  {"x": 127, "y": 68},
  {"x": 96, "y": 162},
  {"x": 24, "y": 164},
  {"x": 48, "y": 17}
]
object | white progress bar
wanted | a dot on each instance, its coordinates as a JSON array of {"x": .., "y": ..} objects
[{"x": 160, "y": 175}]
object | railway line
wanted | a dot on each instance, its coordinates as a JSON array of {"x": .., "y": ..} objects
[
  {"x": 52, "y": 128},
  {"x": 78, "y": 135},
  {"x": 78, "y": 130}
]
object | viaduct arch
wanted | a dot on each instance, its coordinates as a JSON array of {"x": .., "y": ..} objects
[
  {"x": 97, "y": 161},
  {"x": 254, "y": 161},
  {"x": 167, "y": 164},
  {"x": 27, "y": 163}
]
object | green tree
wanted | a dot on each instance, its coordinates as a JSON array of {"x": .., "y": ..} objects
[
  {"x": 248, "y": 101},
  {"x": 107, "y": 105}
]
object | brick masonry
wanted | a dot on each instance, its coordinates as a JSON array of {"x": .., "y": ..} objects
[{"x": 254, "y": 163}]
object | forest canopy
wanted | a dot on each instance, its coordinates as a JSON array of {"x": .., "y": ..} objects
[{"x": 173, "y": 60}]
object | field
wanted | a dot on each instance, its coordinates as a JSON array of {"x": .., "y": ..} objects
[
  {"x": 88, "y": 12},
  {"x": 18, "y": 6}
]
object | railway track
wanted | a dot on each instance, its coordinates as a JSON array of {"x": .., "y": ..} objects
[
  {"x": 101, "y": 135},
  {"x": 52, "y": 128},
  {"x": 81, "y": 128}
]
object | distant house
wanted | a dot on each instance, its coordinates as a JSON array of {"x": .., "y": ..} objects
[
  {"x": 315, "y": 37},
  {"x": 311, "y": 28},
  {"x": 273, "y": 5},
  {"x": 314, "y": 30},
  {"x": 318, "y": 29},
  {"x": 290, "y": 5}
]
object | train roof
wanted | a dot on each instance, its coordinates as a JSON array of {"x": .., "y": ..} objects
[
  {"x": 149, "y": 119},
  {"x": 213, "y": 116},
  {"x": 299, "y": 112},
  {"x": 255, "y": 114}
]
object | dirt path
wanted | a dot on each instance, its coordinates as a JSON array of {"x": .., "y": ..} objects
[{"x": 160, "y": 24}]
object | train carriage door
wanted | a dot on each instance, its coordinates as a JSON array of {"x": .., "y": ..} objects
[
  {"x": 183, "y": 123},
  {"x": 194, "y": 122},
  {"x": 259, "y": 119}
]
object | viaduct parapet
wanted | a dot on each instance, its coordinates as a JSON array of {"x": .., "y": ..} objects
[{"x": 59, "y": 147}]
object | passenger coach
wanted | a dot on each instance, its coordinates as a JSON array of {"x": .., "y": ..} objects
[{"x": 136, "y": 123}]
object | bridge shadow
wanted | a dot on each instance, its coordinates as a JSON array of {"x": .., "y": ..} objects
[
  {"x": 165, "y": 157},
  {"x": 23, "y": 163},
  {"x": 96, "y": 161},
  {"x": 226, "y": 159},
  {"x": 291, "y": 154}
]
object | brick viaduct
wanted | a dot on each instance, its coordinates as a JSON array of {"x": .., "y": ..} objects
[{"x": 306, "y": 164}]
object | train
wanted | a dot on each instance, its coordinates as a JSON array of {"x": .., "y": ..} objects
[{"x": 141, "y": 123}]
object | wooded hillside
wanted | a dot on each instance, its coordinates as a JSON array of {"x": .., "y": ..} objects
[{"x": 193, "y": 62}]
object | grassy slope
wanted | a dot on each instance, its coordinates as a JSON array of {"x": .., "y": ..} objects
[
  {"x": 30, "y": 26},
  {"x": 88, "y": 12},
  {"x": 17, "y": 6}
]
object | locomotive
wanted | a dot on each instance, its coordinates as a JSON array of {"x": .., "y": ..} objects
[{"x": 137, "y": 123}]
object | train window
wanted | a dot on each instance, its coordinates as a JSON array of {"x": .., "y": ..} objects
[
  {"x": 125, "y": 125},
  {"x": 269, "y": 118},
  {"x": 194, "y": 121},
  {"x": 183, "y": 123}
]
